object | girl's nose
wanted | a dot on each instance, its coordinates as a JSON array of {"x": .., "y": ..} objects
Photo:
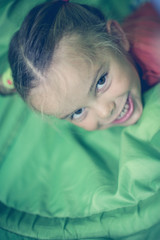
[{"x": 105, "y": 110}]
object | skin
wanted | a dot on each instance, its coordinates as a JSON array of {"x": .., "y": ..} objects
[{"x": 91, "y": 96}]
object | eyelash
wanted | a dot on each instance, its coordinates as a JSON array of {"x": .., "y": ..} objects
[
  {"x": 103, "y": 88},
  {"x": 83, "y": 111}
]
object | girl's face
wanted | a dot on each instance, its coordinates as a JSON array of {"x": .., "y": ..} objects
[{"x": 93, "y": 96}]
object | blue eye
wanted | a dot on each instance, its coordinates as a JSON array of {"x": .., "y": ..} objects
[
  {"x": 78, "y": 114},
  {"x": 101, "y": 83}
]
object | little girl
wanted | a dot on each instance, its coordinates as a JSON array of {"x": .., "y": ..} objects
[{"x": 68, "y": 62}]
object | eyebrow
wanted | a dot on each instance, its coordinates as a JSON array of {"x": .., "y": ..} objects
[
  {"x": 95, "y": 79},
  {"x": 90, "y": 89}
]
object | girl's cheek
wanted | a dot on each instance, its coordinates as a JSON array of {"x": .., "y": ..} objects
[{"x": 87, "y": 124}]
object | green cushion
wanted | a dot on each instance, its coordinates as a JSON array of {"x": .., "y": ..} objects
[{"x": 75, "y": 183}]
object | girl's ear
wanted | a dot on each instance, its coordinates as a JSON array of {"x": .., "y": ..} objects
[{"x": 114, "y": 28}]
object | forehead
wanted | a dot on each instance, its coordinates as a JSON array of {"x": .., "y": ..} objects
[{"x": 67, "y": 82}]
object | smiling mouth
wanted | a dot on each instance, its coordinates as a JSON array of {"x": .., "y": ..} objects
[{"x": 126, "y": 111}]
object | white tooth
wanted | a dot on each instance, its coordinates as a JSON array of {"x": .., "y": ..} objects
[
  {"x": 121, "y": 115},
  {"x": 126, "y": 106},
  {"x": 125, "y": 109}
]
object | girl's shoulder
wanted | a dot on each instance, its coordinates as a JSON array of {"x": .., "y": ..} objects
[{"x": 142, "y": 29}]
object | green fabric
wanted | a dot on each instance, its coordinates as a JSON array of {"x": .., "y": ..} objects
[{"x": 66, "y": 183}]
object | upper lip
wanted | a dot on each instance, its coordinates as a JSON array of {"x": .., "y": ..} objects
[{"x": 121, "y": 108}]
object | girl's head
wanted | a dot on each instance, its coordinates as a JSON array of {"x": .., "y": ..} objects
[{"x": 69, "y": 63}]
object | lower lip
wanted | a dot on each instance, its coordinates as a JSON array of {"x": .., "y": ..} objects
[{"x": 128, "y": 113}]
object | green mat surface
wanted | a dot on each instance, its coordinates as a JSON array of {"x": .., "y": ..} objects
[{"x": 66, "y": 183}]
